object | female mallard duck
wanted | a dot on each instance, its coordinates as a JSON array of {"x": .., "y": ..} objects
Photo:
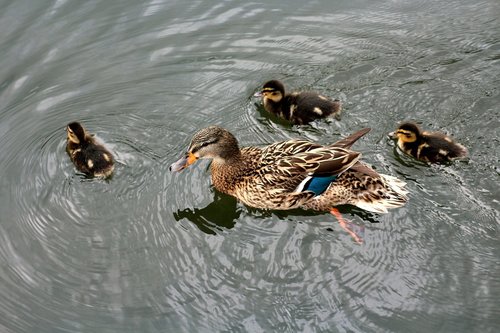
[
  {"x": 298, "y": 107},
  {"x": 434, "y": 147},
  {"x": 294, "y": 174},
  {"x": 86, "y": 154}
]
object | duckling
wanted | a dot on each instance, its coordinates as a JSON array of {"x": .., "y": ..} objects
[
  {"x": 433, "y": 147},
  {"x": 297, "y": 107},
  {"x": 87, "y": 155}
]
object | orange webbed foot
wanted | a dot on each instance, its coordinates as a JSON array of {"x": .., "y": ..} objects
[{"x": 349, "y": 226}]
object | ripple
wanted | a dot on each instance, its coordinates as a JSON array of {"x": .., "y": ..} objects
[
  {"x": 51, "y": 101},
  {"x": 148, "y": 249}
]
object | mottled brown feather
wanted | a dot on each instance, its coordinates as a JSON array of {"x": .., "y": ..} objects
[{"x": 269, "y": 177}]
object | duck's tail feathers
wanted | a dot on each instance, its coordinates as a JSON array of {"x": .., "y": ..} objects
[{"x": 394, "y": 196}]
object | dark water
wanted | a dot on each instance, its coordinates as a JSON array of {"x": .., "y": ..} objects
[{"x": 153, "y": 252}]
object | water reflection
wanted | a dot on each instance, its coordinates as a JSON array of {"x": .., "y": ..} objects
[
  {"x": 81, "y": 255},
  {"x": 221, "y": 214},
  {"x": 224, "y": 211}
]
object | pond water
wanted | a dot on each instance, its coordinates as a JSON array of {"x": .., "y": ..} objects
[{"x": 151, "y": 251}]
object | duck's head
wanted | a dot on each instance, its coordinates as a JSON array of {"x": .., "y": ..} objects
[
  {"x": 272, "y": 90},
  {"x": 75, "y": 132},
  {"x": 406, "y": 132},
  {"x": 213, "y": 142}
]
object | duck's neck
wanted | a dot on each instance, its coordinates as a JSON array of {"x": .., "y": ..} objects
[{"x": 227, "y": 172}]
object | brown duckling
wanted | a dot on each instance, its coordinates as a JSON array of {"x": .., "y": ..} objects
[
  {"x": 434, "y": 147},
  {"x": 87, "y": 155},
  {"x": 297, "y": 107}
]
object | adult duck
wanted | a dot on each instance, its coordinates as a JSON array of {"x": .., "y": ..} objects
[{"x": 294, "y": 174}]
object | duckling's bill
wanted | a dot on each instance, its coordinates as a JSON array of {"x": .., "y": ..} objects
[{"x": 183, "y": 162}]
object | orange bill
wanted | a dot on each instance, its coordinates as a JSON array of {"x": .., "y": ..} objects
[
  {"x": 191, "y": 159},
  {"x": 183, "y": 162}
]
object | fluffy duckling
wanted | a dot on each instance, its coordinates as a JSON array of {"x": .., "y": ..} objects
[
  {"x": 434, "y": 147},
  {"x": 297, "y": 107},
  {"x": 87, "y": 155}
]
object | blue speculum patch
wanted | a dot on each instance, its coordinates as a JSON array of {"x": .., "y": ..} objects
[{"x": 318, "y": 184}]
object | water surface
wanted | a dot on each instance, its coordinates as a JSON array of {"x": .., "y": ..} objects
[{"x": 148, "y": 251}]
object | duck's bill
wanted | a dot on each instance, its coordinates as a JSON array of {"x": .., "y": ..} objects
[
  {"x": 258, "y": 94},
  {"x": 392, "y": 135},
  {"x": 183, "y": 163}
]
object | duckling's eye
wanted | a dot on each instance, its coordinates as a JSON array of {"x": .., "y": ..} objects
[
  {"x": 407, "y": 134},
  {"x": 269, "y": 92}
]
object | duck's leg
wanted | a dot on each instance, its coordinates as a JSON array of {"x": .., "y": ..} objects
[{"x": 348, "y": 226}]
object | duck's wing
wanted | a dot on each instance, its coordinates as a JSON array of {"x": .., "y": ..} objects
[
  {"x": 351, "y": 139},
  {"x": 362, "y": 169},
  {"x": 320, "y": 161},
  {"x": 314, "y": 170},
  {"x": 347, "y": 143},
  {"x": 276, "y": 151},
  {"x": 301, "y": 158},
  {"x": 291, "y": 166}
]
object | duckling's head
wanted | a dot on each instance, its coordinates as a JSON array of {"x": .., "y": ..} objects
[
  {"x": 76, "y": 133},
  {"x": 407, "y": 132},
  {"x": 272, "y": 90},
  {"x": 213, "y": 142}
]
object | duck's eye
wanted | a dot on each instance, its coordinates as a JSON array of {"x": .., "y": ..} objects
[{"x": 201, "y": 145}]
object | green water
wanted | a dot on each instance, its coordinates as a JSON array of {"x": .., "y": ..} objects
[{"x": 151, "y": 251}]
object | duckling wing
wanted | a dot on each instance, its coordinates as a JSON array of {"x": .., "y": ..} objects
[
  {"x": 103, "y": 158},
  {"x": 78, "y": 156},
  {"x": 95, "y": 158},
  {"x": 311, "y": 106},
  {"x": 442, "y": 148}
]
